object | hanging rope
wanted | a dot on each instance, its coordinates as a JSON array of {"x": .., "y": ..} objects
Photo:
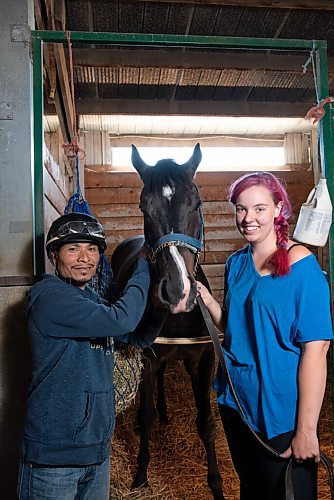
[
  {"x": 316, "y": 113},
  {"x": 74, "y": 117}
]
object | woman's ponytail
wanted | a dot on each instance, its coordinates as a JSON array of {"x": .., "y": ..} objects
[{"x": 279, "y": 260}]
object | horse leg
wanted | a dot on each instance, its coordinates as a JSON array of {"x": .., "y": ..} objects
[
  {"x": 200, "y": 372},
  {"x": 145, "y": 420},
  {"x": 161, "y": 400}
]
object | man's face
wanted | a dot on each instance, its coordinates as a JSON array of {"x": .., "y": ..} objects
[{"x": 77, "y": 261}]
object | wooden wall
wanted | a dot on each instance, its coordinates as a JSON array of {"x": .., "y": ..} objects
[
  {"x": 114, "y": 198},
  {"x": 58, "y": 182}
]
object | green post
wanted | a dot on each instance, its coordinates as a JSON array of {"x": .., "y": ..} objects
[
  {"x": 37, "y": 174},
  {"x": 327, "y": 163}
]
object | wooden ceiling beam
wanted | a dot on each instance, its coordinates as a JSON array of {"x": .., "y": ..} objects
[
  {"x": 48, "y": 57},
  {"x": 51, "y": 15},
  {"x": 193, "y": 108},
  {"x": 277, "y": 4},
  {"x": 56, "y": 21},
  {"x": 189, "y": 59}
]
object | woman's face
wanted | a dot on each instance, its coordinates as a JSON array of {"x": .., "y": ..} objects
[{"x": 255, "y": 214}]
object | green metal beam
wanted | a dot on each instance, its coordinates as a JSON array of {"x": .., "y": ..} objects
[
  {"x": 37, "y": 174},
  {"x": 178, "y": 40},
  {"x": 327, "y": 164}
]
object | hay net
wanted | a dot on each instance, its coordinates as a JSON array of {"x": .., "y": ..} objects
[{"x": 128, "y": 359}]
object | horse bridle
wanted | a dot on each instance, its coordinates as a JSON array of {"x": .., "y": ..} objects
[{"x": 180, "y": 240}]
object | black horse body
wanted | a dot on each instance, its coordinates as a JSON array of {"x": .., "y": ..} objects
[{"x": 171, "y": 207}]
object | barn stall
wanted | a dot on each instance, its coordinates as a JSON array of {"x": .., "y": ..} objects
[
  {"x": 178, "y": 463},
  {"x": 126, "y": 81}
]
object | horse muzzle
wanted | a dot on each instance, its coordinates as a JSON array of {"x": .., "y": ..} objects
[{"x": 176, "y": 298}]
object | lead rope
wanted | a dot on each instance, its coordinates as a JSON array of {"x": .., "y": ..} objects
[
  {"x": 221, "y": 356},
  {"x": 289, "y": 495}
]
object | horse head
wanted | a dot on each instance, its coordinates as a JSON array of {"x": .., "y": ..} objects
[{"x": 173, "y": 227}]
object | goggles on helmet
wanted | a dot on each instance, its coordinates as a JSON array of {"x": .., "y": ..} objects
[{"x": 84, "y": 228}]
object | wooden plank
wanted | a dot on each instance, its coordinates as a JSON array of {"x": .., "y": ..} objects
[
  {"x": 219, "y": 220},
  {"x": 112, "y": 179},
  {"x": 109, "y": 195},
  {"x": 95, "y": 179},
  {"x": 162, "y": 58},
  {"x": 64, "y": 87},
  {"x": 221, "y": 233},
  {"x": 215, "y": 257},
  {"x": 297, "y": 194},
  {"x": 114, "y": 237},
  {"x": 116, "y": 210},
  {"x": 53, "y": 193},
  {"x": 122, "y": 223},
  {"x": 156, "y": 107},
  {"x": 55, "y": 172},
  {"x": 278, "y": 4},
  {"x": 213, "y": 270},
  {"x": 226, "y": 178},
  {"x": 216, "y": 283},
  {"x": 218, "y": 295},
  {"x": 217, "y": 207},
  {"x": 223, "y": 245}
]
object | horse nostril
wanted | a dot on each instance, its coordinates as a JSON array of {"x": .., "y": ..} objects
[{"x": 162, "y": 292}]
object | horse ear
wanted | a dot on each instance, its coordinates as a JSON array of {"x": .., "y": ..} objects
[
  {"x": 138, "y": 162},
  {"x": 191, "y": 165}
]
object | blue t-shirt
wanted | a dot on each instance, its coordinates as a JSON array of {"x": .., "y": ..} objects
[{"x": 268, "y": 319}]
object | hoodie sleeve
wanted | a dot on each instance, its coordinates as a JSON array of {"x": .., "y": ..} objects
[
  {"x": 147, "y": 330},
  {"x": 69, "y": 312}
]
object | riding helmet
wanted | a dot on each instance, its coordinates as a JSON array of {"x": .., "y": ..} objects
[{"x": 75, "y": 227}]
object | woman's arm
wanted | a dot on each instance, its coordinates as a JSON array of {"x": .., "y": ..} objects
[
  {"x": 311, "y": 383},
  {"x": 217, "y": 313}
]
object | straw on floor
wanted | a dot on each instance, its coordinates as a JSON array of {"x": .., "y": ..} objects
[{"x": 178, "y": 464}]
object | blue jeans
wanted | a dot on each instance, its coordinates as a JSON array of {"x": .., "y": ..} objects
[{"x": 37, "y": 482}]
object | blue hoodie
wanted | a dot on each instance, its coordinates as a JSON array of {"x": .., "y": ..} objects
[{"x": 70, "y": 414}]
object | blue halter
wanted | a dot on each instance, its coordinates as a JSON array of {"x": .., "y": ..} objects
[
  {"x": 184, "y": 239},
  {"x": 179, "y": 239}
]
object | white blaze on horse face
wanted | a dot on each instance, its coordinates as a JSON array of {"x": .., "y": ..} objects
[
  {"x": 168, "y": 192},
  {"x": 181, "y": 307}
]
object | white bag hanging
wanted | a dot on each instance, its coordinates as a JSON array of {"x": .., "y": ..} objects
[{"x": 315, "y": 217}]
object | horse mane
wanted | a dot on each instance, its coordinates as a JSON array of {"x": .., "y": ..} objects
[{"x": 167, "y": 171}]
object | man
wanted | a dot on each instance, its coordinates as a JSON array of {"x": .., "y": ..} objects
[{"x": 70, "y": 414}]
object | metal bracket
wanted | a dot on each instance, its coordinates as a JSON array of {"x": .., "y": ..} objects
[
  {"x": 6, "y": 111},
  {"x": 20, "y": 33}
]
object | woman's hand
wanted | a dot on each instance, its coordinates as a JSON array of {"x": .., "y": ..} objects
[
  {"x": 304, "y": 446},
  {"x": 311, "y": 389},
  {"x": 204, "y": 293},
  {"x": 213, "y": 307}
]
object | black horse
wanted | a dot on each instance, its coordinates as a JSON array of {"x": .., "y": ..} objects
[{"x": 173, "y": 228}]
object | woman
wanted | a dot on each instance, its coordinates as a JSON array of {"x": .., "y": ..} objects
[{"x": 277, "y": 323}]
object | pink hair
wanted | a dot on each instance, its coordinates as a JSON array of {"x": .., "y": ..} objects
[{"x": 279, "y": 260}]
